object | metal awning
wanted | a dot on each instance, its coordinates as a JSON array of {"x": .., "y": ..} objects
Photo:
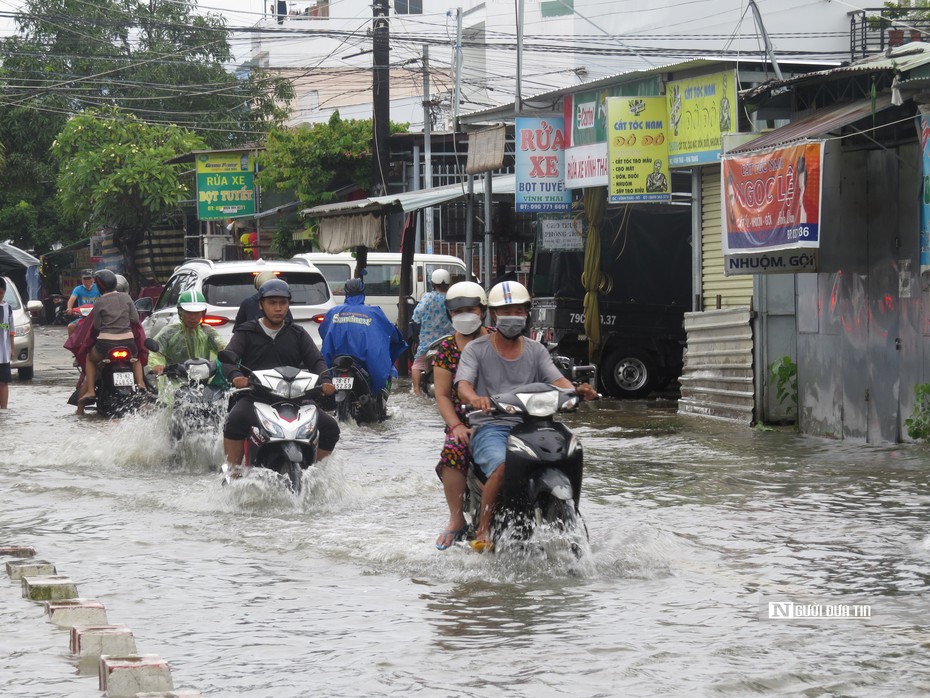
[
  {"x": 353, "y": 223},
  {"x": 411, "y": 200},
  {"x": 821, "y": 122}
]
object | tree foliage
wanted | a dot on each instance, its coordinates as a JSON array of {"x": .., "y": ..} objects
[
  {"x": 113, "y": 172},
  {"x": 317, "y": 160},
  {"x": 156, "y": 59}
]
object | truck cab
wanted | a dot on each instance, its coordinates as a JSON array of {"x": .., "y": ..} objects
[{"x": 644, "y": 292}]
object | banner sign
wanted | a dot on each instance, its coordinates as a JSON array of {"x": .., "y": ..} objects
[
  {"x": 923, "y": 131},
  {"x": 637, "y": 149},
  {"x": 771, "y": 200},
  {"x": 540, "y": 165},
  {"x": 225, "y": 185},
  {"x": 778, "y": 262},
  {"x": 561, "y": 234},
  {"x": 699, "y": 111}
]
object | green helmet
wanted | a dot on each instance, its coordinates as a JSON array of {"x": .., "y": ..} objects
[{"x": 192, "y": 302}]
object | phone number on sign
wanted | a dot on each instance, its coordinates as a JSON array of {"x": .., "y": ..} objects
[{"x": 605, "y": 319}]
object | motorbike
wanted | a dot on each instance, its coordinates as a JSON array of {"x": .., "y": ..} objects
[
  {"x": 56, "y": 310},
  {"x": 197, "y": 406},
  {"x": 354, "y": 398},
  {"x": 116, "y": 393},
  {"x": 286, "y": 438},
  {"x": 543, "y": 468}
]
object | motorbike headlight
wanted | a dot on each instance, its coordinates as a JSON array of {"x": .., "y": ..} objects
[
  {"x": 541, "y": 404},
  {"x": 306, "y": 430},
  {"x": 272, "y": 428},
  {"x": 198, "y": 372},
  {"x": 282, "y": 389},
  {"x": 570, "y": 404}
]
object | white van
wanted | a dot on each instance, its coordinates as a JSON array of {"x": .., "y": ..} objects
[{"x": 382, "y": 275}]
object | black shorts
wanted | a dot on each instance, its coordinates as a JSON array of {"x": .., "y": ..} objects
[
  {"x": 242, "y": 418},
  {"x": 104, "y": 346},
  {"x": 6, "y": 375}
]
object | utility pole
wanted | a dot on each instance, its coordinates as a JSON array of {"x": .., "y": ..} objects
[
  {"x": 765, "y": 38},
  {"x": 427, "y": 151},
  {"x": 381, "y": 109}
]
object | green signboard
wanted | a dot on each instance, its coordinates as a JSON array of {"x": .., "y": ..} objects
[{"x": 225, "y": 185}]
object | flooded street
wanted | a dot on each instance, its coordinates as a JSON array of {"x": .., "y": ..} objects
[{"x": 695, "y": 527}]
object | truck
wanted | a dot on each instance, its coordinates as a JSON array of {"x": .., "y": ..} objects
[{"x": 644, "y": 292}]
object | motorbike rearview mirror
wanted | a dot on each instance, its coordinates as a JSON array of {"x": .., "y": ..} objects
[{"x": 151, "y": 344}]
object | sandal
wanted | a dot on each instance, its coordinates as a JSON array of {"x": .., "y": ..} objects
[{"x": 448, "y": 538}]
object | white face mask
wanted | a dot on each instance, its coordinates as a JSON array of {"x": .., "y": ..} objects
[{"x": 466, "y": 323}]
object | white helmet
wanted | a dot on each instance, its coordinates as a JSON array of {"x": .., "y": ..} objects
[
  {"x": 466, "y": 294},
  {"x": 509, "y": 293},
  {"x": 440, "y": 277},
  {"x": 264, "y": 276}
]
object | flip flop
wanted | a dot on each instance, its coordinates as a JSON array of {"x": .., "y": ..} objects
[
  {"x": 456, "y": 537},
  {"x": 482, "y": 546}
]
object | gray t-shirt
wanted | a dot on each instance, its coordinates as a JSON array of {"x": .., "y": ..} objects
[{"x": 490, "y": 373}]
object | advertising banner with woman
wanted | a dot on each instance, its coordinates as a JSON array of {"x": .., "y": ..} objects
[{"x": 772, "y": 199}]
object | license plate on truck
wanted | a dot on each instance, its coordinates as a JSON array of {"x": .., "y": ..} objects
[
  {"x": 343, "y": 382},
  {"x": 123, "y": 379}
]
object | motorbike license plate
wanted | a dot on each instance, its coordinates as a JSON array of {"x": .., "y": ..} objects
[
  {"x": 343, "y": 382},
  {"x": 123, "y": 380}
]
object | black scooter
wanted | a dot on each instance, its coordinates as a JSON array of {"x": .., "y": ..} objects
[
  {"x": 543, "y": 468},
  {"x": 354, "y": 398},
  {"x": 116, "y": 393}
]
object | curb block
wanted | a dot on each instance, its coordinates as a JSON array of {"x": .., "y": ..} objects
[
  {"x": 70, "y": 612},
  {"x": 17, "y": 551},
  {"x": 171, "y": 694},
  {"x": 49, "y": 588},
  {"x": 17, "y": 569},
  {"x": 124, "y": 677},
  {"x": 97, "y": 640}
]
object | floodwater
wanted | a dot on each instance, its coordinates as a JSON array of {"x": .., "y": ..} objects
[{"x": 695, "y": 527}]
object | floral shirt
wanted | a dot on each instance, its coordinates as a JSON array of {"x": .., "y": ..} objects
[
  {"x": 447, "y": 357},
  {"x": 434, "y": 322}
]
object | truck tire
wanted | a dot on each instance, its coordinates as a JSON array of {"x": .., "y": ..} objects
[{"x": 629, "y": 373}]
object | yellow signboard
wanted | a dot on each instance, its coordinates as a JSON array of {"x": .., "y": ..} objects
[
  {"x": 637, "y": 149},
  {"x": 699, "y": 111}
]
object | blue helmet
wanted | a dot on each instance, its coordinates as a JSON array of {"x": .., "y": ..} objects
[
  {"x": 354, "y": 287},
  {"x": 274, "y": 288}
]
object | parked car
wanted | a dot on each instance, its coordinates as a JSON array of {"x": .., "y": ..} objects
[
  {"x": 24, "y": 342},
  {"x": 226, "y": 284}
]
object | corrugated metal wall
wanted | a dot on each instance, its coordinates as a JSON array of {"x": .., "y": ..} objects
[
  {"x": 157, "y": 256},
  {"x": 733, "y": 291},
  {"x": 717, "y": 380}
]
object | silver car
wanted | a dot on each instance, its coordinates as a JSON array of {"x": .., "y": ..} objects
[
  {"x": 24, "y": 341},
  {"x": 226, "y": 284}
]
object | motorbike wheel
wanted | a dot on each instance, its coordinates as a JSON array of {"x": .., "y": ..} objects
[
  {"x": 344, "y": 409},
  {"x": 290, "y": 471}
]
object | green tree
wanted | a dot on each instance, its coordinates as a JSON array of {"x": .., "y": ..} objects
[
  {"x": 317, "y": 160},
  {"x": 156, "y": 59},
  {"x": 113, "y": 172}
]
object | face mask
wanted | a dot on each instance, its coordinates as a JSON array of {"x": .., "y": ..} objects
[
  {"x": 511, "y": 327},
  {"x": 466, "y": 323}
]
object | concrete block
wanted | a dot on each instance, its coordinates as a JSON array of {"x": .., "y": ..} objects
[
  {"x": 17, "y": 551},
  {"x": 124, "y": 677},
  {"x": 69, "y": 612},
  {"x": 171, "y": 694},
  {"x": 49, "y": 588},
  {"x": 96, "y": 640},
  {"x": 17, "y": 569}
]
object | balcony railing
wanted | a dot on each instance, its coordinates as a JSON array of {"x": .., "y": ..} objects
[{"x": 873, "y": 30}]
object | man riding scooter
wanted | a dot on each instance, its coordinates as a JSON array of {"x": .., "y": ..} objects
[
  {"x": 364, "y": 333},
  {"x": 187, "y": 338},
  {"x": 497, "y": 363}
]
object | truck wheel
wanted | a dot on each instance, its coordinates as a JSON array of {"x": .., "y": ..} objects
[{"x": 628, "y": 374}]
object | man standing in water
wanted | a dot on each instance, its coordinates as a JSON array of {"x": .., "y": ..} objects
[{"x": 496, "y": 363}]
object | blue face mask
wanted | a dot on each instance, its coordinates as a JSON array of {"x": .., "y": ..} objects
[{"x": 511, "y": 326}]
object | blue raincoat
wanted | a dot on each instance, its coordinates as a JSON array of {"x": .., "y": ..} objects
[{"x": 364, "y": 333}]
